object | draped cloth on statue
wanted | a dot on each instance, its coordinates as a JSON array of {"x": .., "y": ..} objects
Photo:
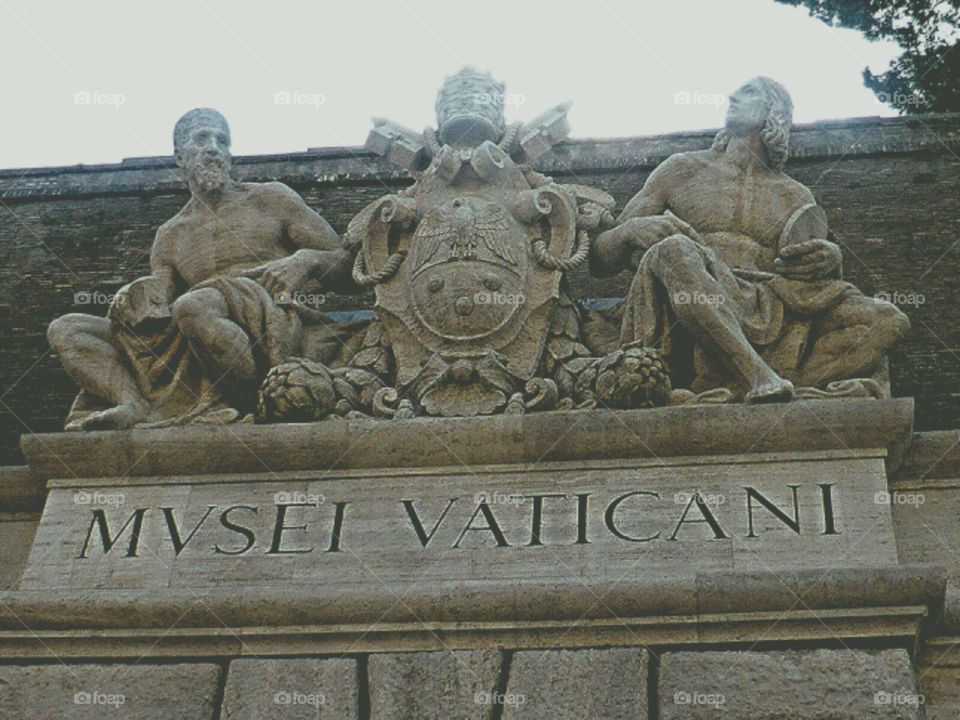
[
  {"x": 777, "y": 315},
  {"x": 175, "y": 380}
]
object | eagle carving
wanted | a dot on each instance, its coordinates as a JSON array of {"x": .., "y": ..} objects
[{"x": 462, "y": 226}]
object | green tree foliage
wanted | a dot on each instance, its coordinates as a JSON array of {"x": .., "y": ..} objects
[{"x": 926, "y": 76}]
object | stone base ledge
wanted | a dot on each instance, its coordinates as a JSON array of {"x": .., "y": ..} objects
[
  {"x": 705, "y": 593},
  {"x": 428, "y": 442},
  {"x": 894, "y": 626}
]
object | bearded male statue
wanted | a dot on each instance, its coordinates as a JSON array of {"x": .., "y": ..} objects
[
  {"x": 193, "y": 340},
  {"x": 735, "y": 279}
]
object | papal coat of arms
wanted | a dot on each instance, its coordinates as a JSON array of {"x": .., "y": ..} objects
[{"x": 468, "y": 267}]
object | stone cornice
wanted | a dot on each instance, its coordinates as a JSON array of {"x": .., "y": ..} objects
[
  {"x": 535, "y": 438},
  {"x": 356, "y": 166}
]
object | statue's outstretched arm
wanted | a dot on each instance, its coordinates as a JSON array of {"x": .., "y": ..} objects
[
  {"x": 642, "y": 222},
  {"x": 317, "y": 243}
]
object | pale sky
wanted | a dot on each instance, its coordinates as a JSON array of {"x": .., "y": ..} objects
[{"x": 96, "y": 82}]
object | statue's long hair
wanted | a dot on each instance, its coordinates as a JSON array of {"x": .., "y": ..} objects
[{"x": 775, "y": 134}]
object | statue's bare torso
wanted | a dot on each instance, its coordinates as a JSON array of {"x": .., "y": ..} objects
[
  {"x": 739, "y": 212},
  {"x": 244, "y": 230}
]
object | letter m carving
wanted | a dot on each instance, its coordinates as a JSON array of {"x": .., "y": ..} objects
[{"x": 100, "y": 521}]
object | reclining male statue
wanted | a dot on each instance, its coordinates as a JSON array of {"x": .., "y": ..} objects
[
  {"x": 193, "y": 340},
  {"x": 736, "y": 281}
]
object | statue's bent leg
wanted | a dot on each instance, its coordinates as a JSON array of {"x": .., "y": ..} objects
[
  {"x": 852, "y": 339},
  {"x": 89, "y": 354},
  {"x": 225, "y": 348},
  {"x": 680, "y": 267}
]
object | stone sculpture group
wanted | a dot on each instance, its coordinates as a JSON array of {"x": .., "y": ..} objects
[{"x": 737, "y": 291}]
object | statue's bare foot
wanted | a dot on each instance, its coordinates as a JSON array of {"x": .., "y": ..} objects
[
  {"x": 774, "y": 391},
  {"x": 120, "y": 417}
]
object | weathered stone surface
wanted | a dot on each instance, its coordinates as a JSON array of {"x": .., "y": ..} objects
[
  {"x": 16, "y": 535},
  {"x": 940, "y": 687},
  {"x": 794, "y": 328},
  {"x": 575, "y": 521},
  {"x": 924, "y": 499},
  {"x": 263, "y": 689},
  {"x": 574, "y": 684},
  {"x": 226, "y": 270},
  {"x": 100, "y": 220},
  {"x": 430, "y": 442},
  {"x": 725, "y": 592},
  {"x": 436, "y": 685},
  {"x": 910, "y": 590},
  {"x": 93, "y": 692},
  {"x": 20, "y": 490},
  {"x": 473, "y": 315},
  {"x": 788, "y": 685},
  {"x": 925, "y": 520},
  {"x": 932, "y": 456}
]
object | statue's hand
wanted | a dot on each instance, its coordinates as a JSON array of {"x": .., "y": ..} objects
[
  {"x": 145, "y": 298},
  {"x": 630, "y": 239},
  {"x": 121, "y": 309},
  {"x": 645, "y": 232},
  {"x": 810, "y": 260},
  {"x": 284, "y": 276}
]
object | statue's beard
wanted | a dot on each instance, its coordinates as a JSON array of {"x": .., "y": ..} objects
[{"x": 211, "y": 175}]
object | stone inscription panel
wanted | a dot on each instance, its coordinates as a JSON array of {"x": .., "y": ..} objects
[{"x": 599, "y": 520}]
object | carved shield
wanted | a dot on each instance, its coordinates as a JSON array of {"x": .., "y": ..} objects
[
  {"x": 468, "y": 268},
  {"x": 470, "y": 283}
]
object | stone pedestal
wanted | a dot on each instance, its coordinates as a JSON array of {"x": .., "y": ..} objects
[{"x": 447, "y": 568}]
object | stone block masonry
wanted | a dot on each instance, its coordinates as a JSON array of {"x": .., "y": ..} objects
[{"x": 613, "y": 683}]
